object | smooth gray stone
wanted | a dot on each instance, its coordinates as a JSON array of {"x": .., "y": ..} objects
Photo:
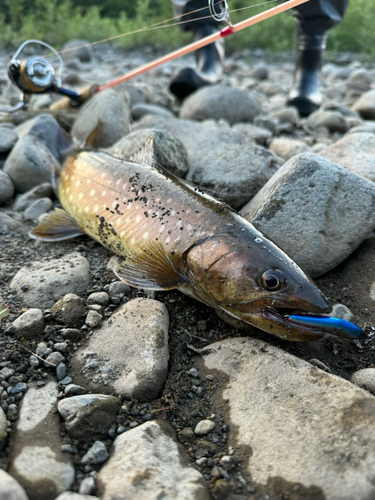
[
  {"x": 169, "y": 152},
  {"x": 25, "y": 200},
  {"x": 6, "y": 188},
  {"x": 227, "y": 163},
  {"x": 334, "y": 121},
  {"x": 3, "y": 432},
  {"x": 316, "y": 211},
  {"x": 30, "y": 163},
  {"x": 48, "y": 281},
  {"x": 141, "y": 110},
  {"x": 218, "y": 101},
  {"x": 77, "y": 49},
  {"x": 356, "y": 152},
  {"x": 69, "y": 310},
  {"x": 103, "y": 119},
  {"x": 147, "y": 463},
  {"x": 365, "y": 105},
  {"x": 302, "y": 451},
  {"x": 89, "y": 415},
  {"x": 97, "y": 454},
  {"x": 30, "y": 324},
  {"x": 8, "y": 138},
  {"x": 38, "y": 208}
]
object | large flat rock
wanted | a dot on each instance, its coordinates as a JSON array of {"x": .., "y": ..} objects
[
  {"x": 302, "y": 433},
  {"x": 316, "y": 211}
]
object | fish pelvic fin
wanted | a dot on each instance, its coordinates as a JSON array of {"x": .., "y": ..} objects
[
  {"x": 56, "y": 226},
  {"x": 146, "y": 154},
  {"x": 150, "y": 268}
]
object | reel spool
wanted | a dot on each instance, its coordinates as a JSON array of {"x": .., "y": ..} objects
[{"x": 37, "y": 74}]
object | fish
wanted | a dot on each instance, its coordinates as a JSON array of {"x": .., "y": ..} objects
[{"x": 171, "y": 234}]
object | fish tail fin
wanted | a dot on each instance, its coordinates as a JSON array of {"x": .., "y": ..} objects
[{"x": 56, "y": 226}]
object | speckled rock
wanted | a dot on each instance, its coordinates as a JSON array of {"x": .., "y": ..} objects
[
  {"x": 218, "y": 101},
  {"x": 365, "y": 378},
  {"x": 103, "y": 119},
  {"x": 169, "y": 151},
  {"x": 147, "y": 463},
  {"x": 286, "y": 147},
  {"x": 49, "y": 281},
  {"x": 69, "y": 310},
  {"x": 356, "y": 152},
  {"x": 109, "y": 363},
  {"x": 38, "y": 463},
  {"x": 301, "y": 451},
  {"x": 334, "y": 215},
  {"x": 30, "y": 324},
  {"x": 10, "y": 489},
  {"x": 6, "y": 188},
  {"x": 89, "y": 415}
]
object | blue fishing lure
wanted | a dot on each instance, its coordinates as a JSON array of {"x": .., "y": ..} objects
[{"x": 334, "y": 326}]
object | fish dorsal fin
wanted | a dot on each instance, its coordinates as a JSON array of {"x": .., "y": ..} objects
[
  {"x": 150, "y": 267},
  {"x": 56, "y": 226},
  {"x": 146, "y": 154}
]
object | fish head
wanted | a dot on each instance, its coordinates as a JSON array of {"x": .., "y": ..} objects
[{"x": 255, "y": 281}]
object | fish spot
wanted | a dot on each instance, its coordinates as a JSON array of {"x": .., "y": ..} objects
[
  {"x": 92, "y": 192},
  {"x": 104, "y": 192},
  {"x": 145, "y": 236},
  {"x": 96, "y": 208},
  {"x": 127, "y": 221},
  {"x": 132, "y": 241},
  {"x": 258, "y": 240},
  {"x": 118, "y": 221},
  {"x": 137, "y": 206},
  {"x": 88, "y": 181},
  {"x": 124, "y": 186},
  {"x": 138, "y": 218},
  {"x": 177, "y": 240},
  {"x": 161, "y": 229},
  {"x": 87, "y": 209},
  {"x": 78, "y": 183},
  {"x": 118, "y": 182},
  {"x": 103, "y": 175},
  {"x": 122, "y": 234},
  {"x": 68, "y": 190},
  {"x": 173, "y": 213},
  {"x": 80, "y": 196},
  {"x": 169, "y": 200},
  {"x": 167, "y": 240},
  {"x": 129, "y": 206},
  {"x": 71, "y": 197}
]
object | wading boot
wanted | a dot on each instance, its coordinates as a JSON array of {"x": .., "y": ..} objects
[
  {"x": 210, "y": 62},
  {"x": 305, "y": 94}
]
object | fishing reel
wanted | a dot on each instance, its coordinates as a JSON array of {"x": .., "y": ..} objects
[{"x": 37, "y": 74}]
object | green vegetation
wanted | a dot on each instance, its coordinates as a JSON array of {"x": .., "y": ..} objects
[{"x": 57, "y": 21}]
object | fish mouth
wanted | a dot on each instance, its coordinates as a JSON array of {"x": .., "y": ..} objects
[{"x": 279, "y": 318}]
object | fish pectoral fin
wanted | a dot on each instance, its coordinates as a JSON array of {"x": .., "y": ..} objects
[
  {"x": 56, "y": 226},
  {"x": 151, "y": 268},
  {"x": 145, "y": 154}
]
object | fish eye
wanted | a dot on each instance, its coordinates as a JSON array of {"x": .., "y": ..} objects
[{"x": 272, "y": 280}]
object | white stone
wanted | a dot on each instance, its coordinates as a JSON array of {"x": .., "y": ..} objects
[
  {"x": 146, "y": 463},
  {"x": 10, "y": 489},
  {"x": 30, "y": 323},
  {"x": 365, "y": 378},
  {"x": 204, "y": 427}
]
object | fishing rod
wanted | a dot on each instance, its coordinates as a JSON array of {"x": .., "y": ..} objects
[{"x": 37, "y": 74}]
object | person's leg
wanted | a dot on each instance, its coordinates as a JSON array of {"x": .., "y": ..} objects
[
  {"x": 314, "y": 19},
  {"x": 210, "y": 59}
]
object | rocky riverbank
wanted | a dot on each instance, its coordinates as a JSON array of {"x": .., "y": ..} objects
[{"x": 109, "y": 392}]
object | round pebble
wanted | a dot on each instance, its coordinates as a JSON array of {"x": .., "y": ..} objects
[
  {"x": 204, "y": 427},
  {"x": 365, "y": 378}
]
